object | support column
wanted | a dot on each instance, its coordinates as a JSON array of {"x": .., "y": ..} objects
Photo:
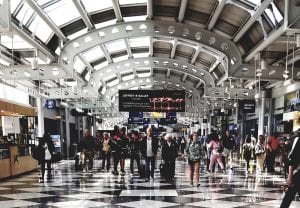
[
  {"x": 41, "y": 128},
  {"x": 261, "y": 118},
  {"x": 94, "y": 126},
  {"x": 68, "y": 138},
  {"x": 83, "y": 125},
  {"x": 61, "y": 124},
  {"x": 78, "y": 128},
  {"x": 208, "y": 125},
  {"x": 270, "y": 116}
]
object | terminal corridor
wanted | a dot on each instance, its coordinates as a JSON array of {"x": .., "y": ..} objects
[{"x": 99, "y": 188}]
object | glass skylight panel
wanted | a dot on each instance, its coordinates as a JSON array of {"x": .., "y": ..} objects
[
  {"x": 79, "y": 66},
  {"x": 15, "y": 43},
  {"x": 40, "y": 61},
  {"x": 101, "y": 65},
  {"x": 276, "y": 17},
  {"x": 140, "y": 55},
  {"x": 93, "y": 54},
  {"x": 25, "y": 13},
  {"x": 77, "y": 34},
  {"x": 128, "y": 77},
  {"x": 13, "y": 5},
  {"x": 106, "y": 23},
  {"x": 114, "y": 46},
  {"x": 128, "y": 2},
  {"x": 62, "y": 12},
  {"x": 256, "y": 2},
  {"x": 40, "y": 29},
  {"x": 87, "y": 76},
  {"x": 120, "y": 58},
  {"x": 3, "y": 62},
  {"x": 143, "y": 41},
  {"x": 135, "y": 18},
  {"x": 112, "y": 82},
  {"x": 92, "y": 5}
]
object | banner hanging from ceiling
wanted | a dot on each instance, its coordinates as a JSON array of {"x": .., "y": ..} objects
[{"x": 152, "y": 100}]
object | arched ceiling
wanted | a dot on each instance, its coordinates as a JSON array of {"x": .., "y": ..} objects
[{"x": 87, "y": 49}]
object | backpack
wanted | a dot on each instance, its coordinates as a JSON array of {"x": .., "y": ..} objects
[{"x": 247, "y": 151}]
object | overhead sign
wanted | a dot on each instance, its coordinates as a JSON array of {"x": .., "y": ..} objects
[
  {"x": 247, "y": 106},
  {"x": 51, "y": 104},
  {"x": 135, "y": 114},
  {"x": 166, "y": 121},
  {"x": 152, "y": 100},
  {"x": 139, "y": 121}
]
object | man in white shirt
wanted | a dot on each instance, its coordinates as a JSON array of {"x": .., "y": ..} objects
[{"x": 149, "y": 146}]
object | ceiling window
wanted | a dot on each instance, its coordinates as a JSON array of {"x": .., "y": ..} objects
[
  {"x": 77, "y": 34},
  {"x": 274, "y": 14},
  {"x": 3, "y": 62},
  {"x": 13, "y": 5},
  {"x": 115, "y": 46},
  {"x": 65, "y": 7},
  {"x": 14, "y": 43},
  {"x": 25, "y": 13},
  {"x": 93, "y": 54},
  {"x": 139, "y": 42},
  {"x": 128, "y": 75},
  {"x": 141, "y": 73},
  {"x": 130, "y": 2},
  {"x": 40, "y": 29},
  {"x": 101, "y": 65},
  {"x": 106, "y": 23},
  {"x": 93, "y": 6},
  {"x": 120, "y": 58},
  {"x": 135, "y": 18},
  {"x": 87, "y": 76},
  {"x": 79, "y": 66},
  {"x": 112, "y": 82}
]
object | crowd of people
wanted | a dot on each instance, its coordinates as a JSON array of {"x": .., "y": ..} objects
[{"x": 142, "y": 152}]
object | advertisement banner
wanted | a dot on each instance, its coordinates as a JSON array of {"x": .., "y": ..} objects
[
  {"x": 152, "y": 100},
  {"x": 247, "y": 106}
]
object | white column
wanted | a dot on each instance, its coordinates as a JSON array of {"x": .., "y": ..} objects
[
  {"x": 68, "y": 138},
  {"x": 41, "y": 128},
  {"x": 270, "y": 114},
  {"x": 208, "y": 125},
  {"x": 94, "y": 125},
  {"x": 83, "y": 125},
  {"x": 261, "y": 118}
]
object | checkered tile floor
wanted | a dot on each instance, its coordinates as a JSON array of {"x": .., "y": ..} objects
[{"x": 101, "y": 189}]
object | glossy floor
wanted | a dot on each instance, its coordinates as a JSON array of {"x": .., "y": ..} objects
[{"x": 101, "y": 189}]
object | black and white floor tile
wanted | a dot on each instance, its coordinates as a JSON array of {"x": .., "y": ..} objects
[{"x": 99, "y": 188}]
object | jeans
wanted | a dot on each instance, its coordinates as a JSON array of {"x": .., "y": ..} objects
[
  {"x": 149, "y": 161},
  {"x": 291, "y": 192},
  {"x": 106, "y": 157},
  {"x": 116, "y": 157},
  {"x": 43, "y": 163},
  {"x": 134, "y": 157}
]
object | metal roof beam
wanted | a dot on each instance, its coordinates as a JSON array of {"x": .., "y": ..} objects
[
  {"x": 106, "y": 54},
  {"x": 198, "y": 84},
  {"x": 264, "y": 5},
  {"x": 168, "y": 73},
  {"x": 85, "y": 17},
  {"x": 196, "y": 54},
  {"x": 182, "y": 10},
  {"x": 184, "y": 77},
  {"x": 216, "y": 14},
  {"x": 117, "y": 10},
  {"x": 150, "y": 9},
  {"x": 173, "y": 51},
  {"x": 28, "y": 38},
  {"x": 128, "y": 48},
  {"x": 265, "y": 42},
  {"x": 34, "y": 5}
]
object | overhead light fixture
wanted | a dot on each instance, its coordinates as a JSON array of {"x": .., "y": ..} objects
[
  {"x": 257, "y": 96},
  {"x": 235, "y": 105},
  {"x": 64, "y": 104},
  {"x": 79, "y": 110},
  {"x": 285, "y": 74}
]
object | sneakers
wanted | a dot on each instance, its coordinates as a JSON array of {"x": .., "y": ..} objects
[
  {"x": 123, "y": 172},
  {"x": 115, "y": 172},
  {"x": 198, "y": 185}
]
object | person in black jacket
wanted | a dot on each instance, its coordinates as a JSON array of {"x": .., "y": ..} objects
[
  {"x": 149, "y": 146},
  {"x": 135, "y": 150},
  {"x": 169, "y": 154},
  {"x": 293, "y": 180},
  {"x": 228, "y": 144},
  {"x": 116, "y": 148},
  {"x": 88, "y": 148},
  {"x": 45, "y": 151}
]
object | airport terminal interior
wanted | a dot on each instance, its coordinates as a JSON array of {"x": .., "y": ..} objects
[{"x": 148, "y": 103}]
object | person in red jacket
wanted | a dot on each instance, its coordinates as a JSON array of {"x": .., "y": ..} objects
[{"x": 272, "y": 147}]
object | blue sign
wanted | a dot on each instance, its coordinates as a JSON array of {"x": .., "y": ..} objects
[
  {"x": 50, "y": 104},
  {"x": 135, "y": 114}
]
